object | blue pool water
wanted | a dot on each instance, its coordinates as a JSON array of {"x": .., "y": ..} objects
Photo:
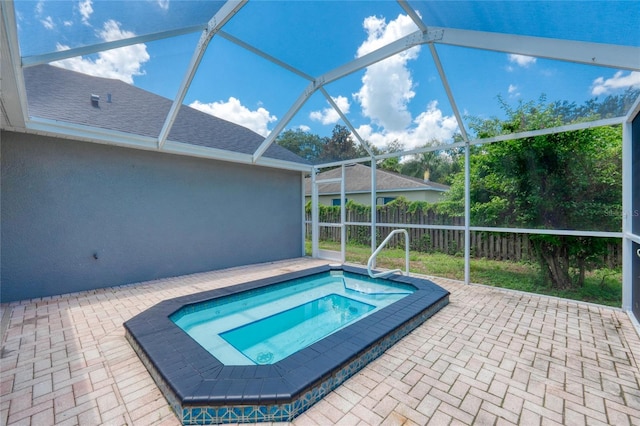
[
  {"x": 264, "y": 327},
  {"x": 274, "y": 338},
  {"x": 204, "y": 390}
]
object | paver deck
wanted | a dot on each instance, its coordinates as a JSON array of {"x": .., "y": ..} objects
[{"x": 491, "y": 357}]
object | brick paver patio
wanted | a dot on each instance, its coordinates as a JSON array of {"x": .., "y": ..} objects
[{"x": 490, "y": 357}]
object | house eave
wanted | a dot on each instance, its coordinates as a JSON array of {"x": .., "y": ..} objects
[
  {"x": 65, "y": 130},
  {"x": 381, "y": 191}
]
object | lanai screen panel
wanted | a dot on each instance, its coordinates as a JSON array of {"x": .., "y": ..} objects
[
  {"x": 306, "y": 80},
  {"x": 49, "y": 26}
]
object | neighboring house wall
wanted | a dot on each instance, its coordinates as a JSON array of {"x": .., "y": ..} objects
[
  {"x": 365, "y": 198},
  {"x": 357, "y": 186},
  {"x": 78, "y": 216}
]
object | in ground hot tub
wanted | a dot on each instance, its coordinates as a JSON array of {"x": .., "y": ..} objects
[{"x": 240, "y": 365}]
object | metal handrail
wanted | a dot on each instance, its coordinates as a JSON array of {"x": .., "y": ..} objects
[{"x": 382, "y": 244}]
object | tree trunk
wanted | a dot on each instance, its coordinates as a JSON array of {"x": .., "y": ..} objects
[
  {"x": 582, "y": 267},
  {"x": 554, "y": 261}
]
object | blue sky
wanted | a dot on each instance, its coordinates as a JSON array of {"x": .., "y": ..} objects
[{"x": 400, "y": 99}]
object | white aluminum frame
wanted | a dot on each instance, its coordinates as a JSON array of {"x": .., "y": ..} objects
[
  {"x": 13, "y": 89},
  {"x": 30, "y": 61},
  {"x": 595, "y": 54},
  {"x": 627, "y": 206},
  {"x": 214, "y": 25},
  {"x": 315, "y": 247},
  {"x": 620, "y": 57}
]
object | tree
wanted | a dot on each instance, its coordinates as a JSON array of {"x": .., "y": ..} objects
[
  {"x": 593, "y": 109},
  {"x": 391, "y": 164},
  {"x": 304, "y": 144},
  {"x": 340, "y": 146},
  {"x": 440, "y": 166},
  {"x": 568, "y": 180},
  {"x": 316, "y": 149}
]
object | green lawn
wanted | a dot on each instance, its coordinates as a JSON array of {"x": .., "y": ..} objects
[{"x": 601, "y": 286}]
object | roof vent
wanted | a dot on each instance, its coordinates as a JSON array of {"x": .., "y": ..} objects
[{"x": 95, "y": 99}]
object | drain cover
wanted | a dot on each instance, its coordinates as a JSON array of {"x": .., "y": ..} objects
[{"x": 264, "y": 357}]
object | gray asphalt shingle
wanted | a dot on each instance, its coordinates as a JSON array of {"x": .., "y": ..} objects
[
  {"x": 59, "y": 94},
  {"x": 358, "y": 179}
]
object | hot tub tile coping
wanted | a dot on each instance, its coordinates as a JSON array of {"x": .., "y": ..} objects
[{"x": 283, "y": 382}]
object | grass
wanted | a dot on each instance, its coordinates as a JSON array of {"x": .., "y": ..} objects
[{"x": 602, "y": 286}]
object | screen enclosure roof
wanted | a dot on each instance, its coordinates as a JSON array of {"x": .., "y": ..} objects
[{"x": 413, "y": 73}]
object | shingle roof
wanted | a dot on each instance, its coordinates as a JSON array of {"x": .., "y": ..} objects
[
  {"x": 59, "y": 94},
  {"x": 358, "y": 179}
]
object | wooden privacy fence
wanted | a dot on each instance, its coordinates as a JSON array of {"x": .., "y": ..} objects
[
  {"x": 489, "y": 245},
  {"x": 514, "y": 247}
]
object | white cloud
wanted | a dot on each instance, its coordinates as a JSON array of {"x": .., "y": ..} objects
[
  {"x": 39, "y": 7},
  {"x": 232, "y": 110},
  {"x": 68, "y": 23},
  {"x": 85, "y": 8},
  {"x": 123, "y": 63},
  {"x": 304, "y": 128},
  {"x": 601, "y": 86},
  {"x": 387, "y": 86},
  {"x": 379, "y": 33},
  {"x": 387, "y": 90},
  {"x": 513, "y": 91},
  {"x": 164, "y": 4},
  {"x": 430, "y": 125},
  {"x": 48, "y": 23},
  {"x": 522, "y": 61},
  {"x": 330, "y": 115}
]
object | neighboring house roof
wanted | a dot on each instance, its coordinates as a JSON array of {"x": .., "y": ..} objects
[
  {"x": 358, "y": 179},
  {"x": 59, "y": 94}
]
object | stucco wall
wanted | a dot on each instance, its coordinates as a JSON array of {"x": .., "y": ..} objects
[{"x": 79, "y": 216}]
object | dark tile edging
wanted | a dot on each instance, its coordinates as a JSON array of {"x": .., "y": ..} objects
[
  {"x": 203, "y": 391},
  {"x": 287, "y": 412}
]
